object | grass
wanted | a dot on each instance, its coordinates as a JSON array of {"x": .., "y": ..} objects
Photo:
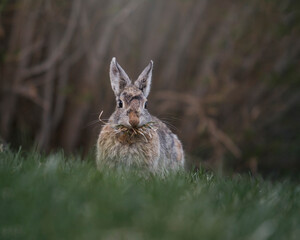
[{"x": 59, "y": 197}]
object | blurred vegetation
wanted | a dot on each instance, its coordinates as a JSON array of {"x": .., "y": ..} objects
[
  {"x": 226, "y": 74},
  {"x": 59, "y": 197}
]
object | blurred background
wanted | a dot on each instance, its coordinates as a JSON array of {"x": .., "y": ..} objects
[{"x": 226, "y": 75}]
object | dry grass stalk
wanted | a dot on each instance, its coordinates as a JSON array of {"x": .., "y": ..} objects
[{"x": 145, "y": 131}]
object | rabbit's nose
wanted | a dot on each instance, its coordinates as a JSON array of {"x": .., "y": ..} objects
[{"x": 133, "y": 119}]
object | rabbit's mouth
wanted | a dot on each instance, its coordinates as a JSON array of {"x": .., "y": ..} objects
[{"x": 146, "y": 130}]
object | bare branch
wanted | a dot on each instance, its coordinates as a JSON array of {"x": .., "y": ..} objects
[
  {"x": 59, "y": 51},
  {"x": 197, "y": 109}
]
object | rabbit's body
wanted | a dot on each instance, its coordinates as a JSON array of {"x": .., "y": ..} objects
[
  {"x": 161, "y": 151},
  {"x": 132, "y": 137}
]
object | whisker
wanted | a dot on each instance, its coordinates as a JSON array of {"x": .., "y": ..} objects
[
  {"x": 99, "y": 120},
  {"x": 171, "y": 119},
  {"x": 170, "y": 125},
  {"x": 90, "y": 124}
]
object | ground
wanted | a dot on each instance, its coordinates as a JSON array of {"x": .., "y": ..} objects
[{"x": 65, "y": 197}]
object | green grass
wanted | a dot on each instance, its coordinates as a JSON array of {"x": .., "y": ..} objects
[{"x": 59, "y": 197}]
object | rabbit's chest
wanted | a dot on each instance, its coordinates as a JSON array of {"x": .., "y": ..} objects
[
  {"x": 121, "y": 149},
  {"x": 128, "y": 149}
]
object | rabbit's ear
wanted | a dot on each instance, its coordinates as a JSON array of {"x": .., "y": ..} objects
[
  {"x": 118, "y": 77},
  {"x": 144, "y": 80}
]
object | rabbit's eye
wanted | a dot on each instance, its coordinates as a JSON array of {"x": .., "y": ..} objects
[
  {"x": 146, "y": 105},
  {"x": 120, "y": 104}
]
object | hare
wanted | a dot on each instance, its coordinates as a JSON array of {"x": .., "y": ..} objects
[{"x": 132, "y": 136}]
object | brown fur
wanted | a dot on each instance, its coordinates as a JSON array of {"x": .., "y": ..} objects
[
  {"x": 133, "y": 137},
  {"x": 119, "y": 149}
]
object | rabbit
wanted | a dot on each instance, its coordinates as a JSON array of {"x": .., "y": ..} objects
[{"x": 132, "y": 136}]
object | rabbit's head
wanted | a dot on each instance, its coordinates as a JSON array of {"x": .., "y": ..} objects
[{"x": 131, "y": 98}]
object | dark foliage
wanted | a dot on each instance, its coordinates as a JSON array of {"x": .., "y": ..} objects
[{"x": 226, "y": 74}]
